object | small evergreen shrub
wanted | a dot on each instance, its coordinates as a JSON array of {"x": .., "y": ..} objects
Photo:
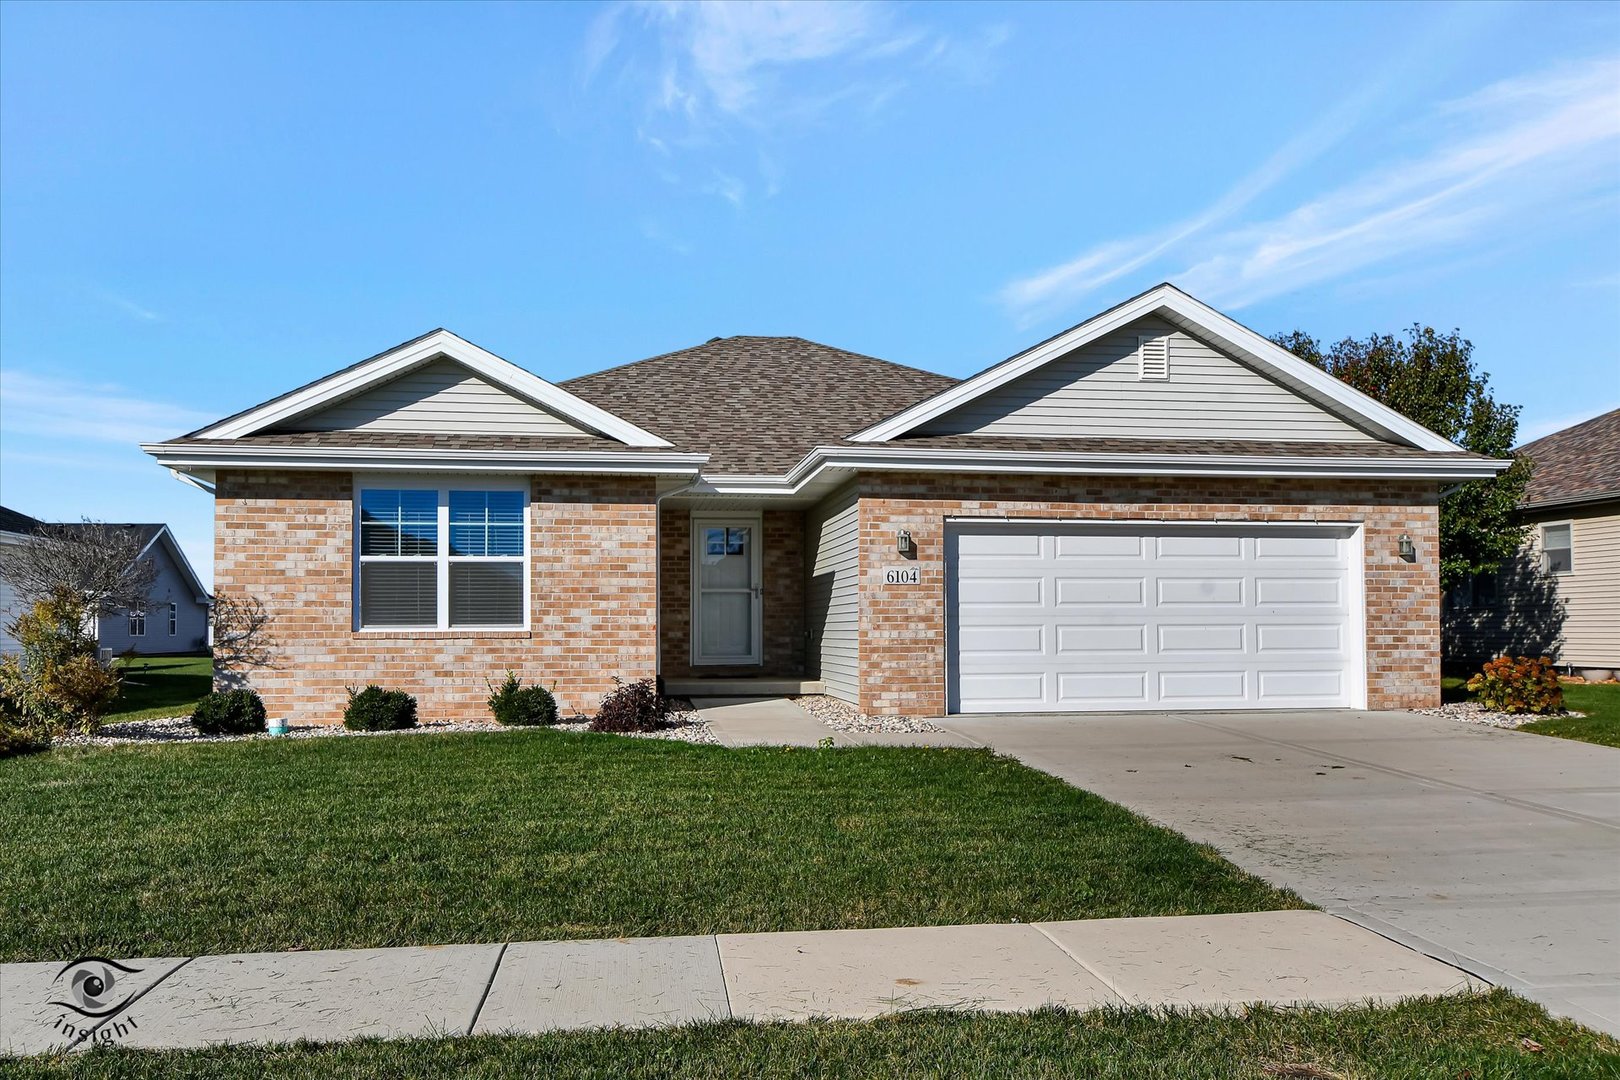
[
  {"x": 636, "y": 706},
  {"x": 376, "y": 709},
  {"x": 517, "y": 705},
  {"x": 229, "y": 712},
  {"x": 1519, "y": 684}
]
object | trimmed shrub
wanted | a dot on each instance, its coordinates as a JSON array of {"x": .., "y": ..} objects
[
  {"x": 376, "y": 709},
  {"x": 229, "y": 712},
  {"x": 517, "y": 705},
  {"x": 636, "y": 706},
  {"x": 1519, "y": 684}
]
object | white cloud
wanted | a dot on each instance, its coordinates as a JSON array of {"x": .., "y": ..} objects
[
  {"x": 49, "y": 407},
  {"x": 1517, "y": 148},
  {"x": 130, "y": 307}
]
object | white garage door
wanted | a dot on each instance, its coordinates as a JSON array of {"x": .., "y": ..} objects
[{"x": 1103, "y": 618}]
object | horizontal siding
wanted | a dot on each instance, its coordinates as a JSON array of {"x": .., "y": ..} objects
[
  {"x": 11, "y": 606},
  {"x": 442, "y": 397},
  {"x": 1574, "y": 617},
  {"x": 832, "y": 593},
  {"x": 1094, "y": 391},
  {"x": 191, "y": 623}
]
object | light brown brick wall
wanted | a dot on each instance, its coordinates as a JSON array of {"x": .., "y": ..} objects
[
  {"x": 902, "y": 631},
  {"x": 782, "y": 570},
  {"x": 287, "y": 538}
]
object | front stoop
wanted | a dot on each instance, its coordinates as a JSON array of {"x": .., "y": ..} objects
[{"x": 743, "y": 687}]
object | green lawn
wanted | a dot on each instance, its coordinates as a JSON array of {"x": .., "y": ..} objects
[
  {"x": 161, "y": 686},
  {"x": 1479, "y": 1037},
  {"x": 1600, "y": 703},
  {"x": 421, "y": 839}
]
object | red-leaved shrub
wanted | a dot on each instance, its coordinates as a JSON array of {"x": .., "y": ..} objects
[{"x": 636, "y": 706}]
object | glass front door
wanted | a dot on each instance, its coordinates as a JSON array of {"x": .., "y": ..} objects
[{"x": 726, "y": 591}]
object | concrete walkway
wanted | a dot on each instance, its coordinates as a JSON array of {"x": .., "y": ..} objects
[
  {"x": 778, "y": 721},
  {"x": 1495, "y": 850},
  {"x": 1282, "y": 957}
]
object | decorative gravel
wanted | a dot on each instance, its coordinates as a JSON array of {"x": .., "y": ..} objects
[
  {"x": 843, "y": 716},
  {"x": 688, "y": 727},
  {"x": 1471, "y": 712}
]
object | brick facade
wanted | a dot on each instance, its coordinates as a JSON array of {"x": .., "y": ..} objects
[
  {"x": 287, "y": 538},
  {"x": 782, "y": 571},
  {"x": 902, "y": 632}
]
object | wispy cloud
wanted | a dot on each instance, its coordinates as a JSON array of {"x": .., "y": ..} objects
[
  {"x": 715, "y": 79},
  {"x": 52, "y": 407},
  {"x": 130, "y": 307},
  {"x": 1514, "y": 149}
]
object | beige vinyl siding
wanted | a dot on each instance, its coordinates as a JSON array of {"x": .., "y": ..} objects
[
  {"x": 1574, "y": 617},
  {"x": 1094, "y": 391},
  {"x": 832, "y": 592},
  {"x": 440, "y": 397}
]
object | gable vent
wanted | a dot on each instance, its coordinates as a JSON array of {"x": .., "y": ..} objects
[{"x": 1153, "y": 357}]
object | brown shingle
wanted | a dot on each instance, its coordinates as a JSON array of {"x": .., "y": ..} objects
[
  {"x": 756, "y": 404},
  {"x": 1576, "y": 464}
]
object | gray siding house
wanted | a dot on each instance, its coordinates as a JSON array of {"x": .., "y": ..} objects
[{"x": 175, "y": 619}]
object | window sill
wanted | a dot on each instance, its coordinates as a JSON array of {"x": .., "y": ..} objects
[{"x": 417, "y": 635}]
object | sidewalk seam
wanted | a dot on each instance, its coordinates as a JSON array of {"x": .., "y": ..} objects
[
  {"x": 1087, "y": 968},
  {"x": 725, "y": 987},
  {"x": 488, "y": 986},
  {"x": 109, "y": 1019}
]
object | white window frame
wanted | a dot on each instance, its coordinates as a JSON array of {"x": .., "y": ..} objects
[
  {"x": 1541, "y": 538},
  {"x": 442, "y": 559},
  {"x": 137, "y": 622},
  {"x": 174, "y": 618}
]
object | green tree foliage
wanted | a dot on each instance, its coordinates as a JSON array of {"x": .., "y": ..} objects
[
  {"x": 1431, "y": 378},
  {"x": 57, "y": 683}
]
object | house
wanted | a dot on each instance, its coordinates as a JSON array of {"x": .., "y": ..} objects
[
  {"x": 1561, "y": 596},
  {"x": 175, "y": 618},
  {"x": 1158, "y": 508}
]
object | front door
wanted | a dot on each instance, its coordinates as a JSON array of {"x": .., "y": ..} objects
[{"x": 726, "y": 589}]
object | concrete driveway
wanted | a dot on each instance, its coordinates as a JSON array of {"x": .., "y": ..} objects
[{"x": 1498, "y": 851}]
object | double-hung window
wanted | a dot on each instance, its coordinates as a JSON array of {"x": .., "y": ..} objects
[
  {"x": 442, "y": 557},
  {"x": 137, "y": 622},
  {"x": 174, "y": 618},
  {"x": 1557, "y": 552}
]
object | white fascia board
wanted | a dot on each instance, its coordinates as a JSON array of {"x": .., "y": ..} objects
[
  {"x": 891, "y": 459},
  {"x": 1254, "y": 347},
  {"x": 226, "y": 456},
  {"x": 499, "y": 372}
]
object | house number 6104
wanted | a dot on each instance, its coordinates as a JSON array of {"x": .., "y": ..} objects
[{"x": 902, "y": 575}]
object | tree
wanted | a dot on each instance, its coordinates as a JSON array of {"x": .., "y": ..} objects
[
  {"x": 101, "y": 564},
  {"x": 1430, "y": 377}
]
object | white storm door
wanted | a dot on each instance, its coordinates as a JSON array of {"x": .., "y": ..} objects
[{"x": 726, "y": 589}]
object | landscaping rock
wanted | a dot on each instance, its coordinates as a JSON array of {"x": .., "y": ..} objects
[
  {"x": 842, "y": 716},
  {"x": 1471, "y": 712}
]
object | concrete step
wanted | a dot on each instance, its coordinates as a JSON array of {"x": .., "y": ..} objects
[{"x": 745, "y": 687}]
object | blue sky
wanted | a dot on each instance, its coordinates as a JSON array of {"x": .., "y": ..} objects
[{"x": 202, "y": 206}]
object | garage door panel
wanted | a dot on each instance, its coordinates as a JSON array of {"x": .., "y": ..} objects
[
  {"x": 1102, "y": 638},
  {"x": 1096, "y": 617},
  {"x": 1099, "y": 689}
]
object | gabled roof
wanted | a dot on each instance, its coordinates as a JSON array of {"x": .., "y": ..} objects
[
  {"x": 1576, "y": 465},
  {"x": 757, "y": 404},
  {"x": 148, "y": 533},
  {"x": 417, "y": 352},
  {"x": 14, "y": 521},
  {"x": 1170, "y": 303}
]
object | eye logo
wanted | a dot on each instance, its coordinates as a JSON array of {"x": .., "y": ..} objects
[{"x": 96, "y": 986}]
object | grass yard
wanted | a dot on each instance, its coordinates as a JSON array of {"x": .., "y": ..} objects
[
  {"x": 1600, "y": 702},
  {"x": 161, "y": 686},
  {"x": 1479, "y": 1036},
  {"x": 425, "y": 839}
]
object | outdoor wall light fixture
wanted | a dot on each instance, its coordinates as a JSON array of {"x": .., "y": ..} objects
[
  {"x": 904, "y": 542},
  {"x": 1407, "y": 549}
]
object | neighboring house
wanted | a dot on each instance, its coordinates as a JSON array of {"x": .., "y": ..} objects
[
  {"x": 14, "y": 530},
  {"x": 175, "y": 619},
  {"x": 1158, "y": 508},
  {"x": 1561, "y": 596}
]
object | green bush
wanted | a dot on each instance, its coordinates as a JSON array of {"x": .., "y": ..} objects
[
  {"x": 522, "y": 706},
  {"x": 229, "y": 712},
  {"x": 376, "y": 709},
  {"x": 57, "y": 683},
  {"x": 1519, "y": 684}
]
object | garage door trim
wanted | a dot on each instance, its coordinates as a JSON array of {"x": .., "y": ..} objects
[{"x": 1353, "y": 532}]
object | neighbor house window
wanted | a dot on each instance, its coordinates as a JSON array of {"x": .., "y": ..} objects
[
  {"x": 137, "y": 622},
  {"x": 174, "y": 618},
  {"x": 440, "y": 558},
  {"x": 1557, "y": 556}
]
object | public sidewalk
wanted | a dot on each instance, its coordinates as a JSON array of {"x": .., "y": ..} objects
[{"x": 1280, "y": 957}]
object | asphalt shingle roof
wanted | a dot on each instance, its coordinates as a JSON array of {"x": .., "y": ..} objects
[{"x": 1577, "y": 464}]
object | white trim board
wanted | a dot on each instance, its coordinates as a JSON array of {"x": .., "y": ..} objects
[
  {"x": 1183, "y": 310},
  {"x": 423, "y": 350}
]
